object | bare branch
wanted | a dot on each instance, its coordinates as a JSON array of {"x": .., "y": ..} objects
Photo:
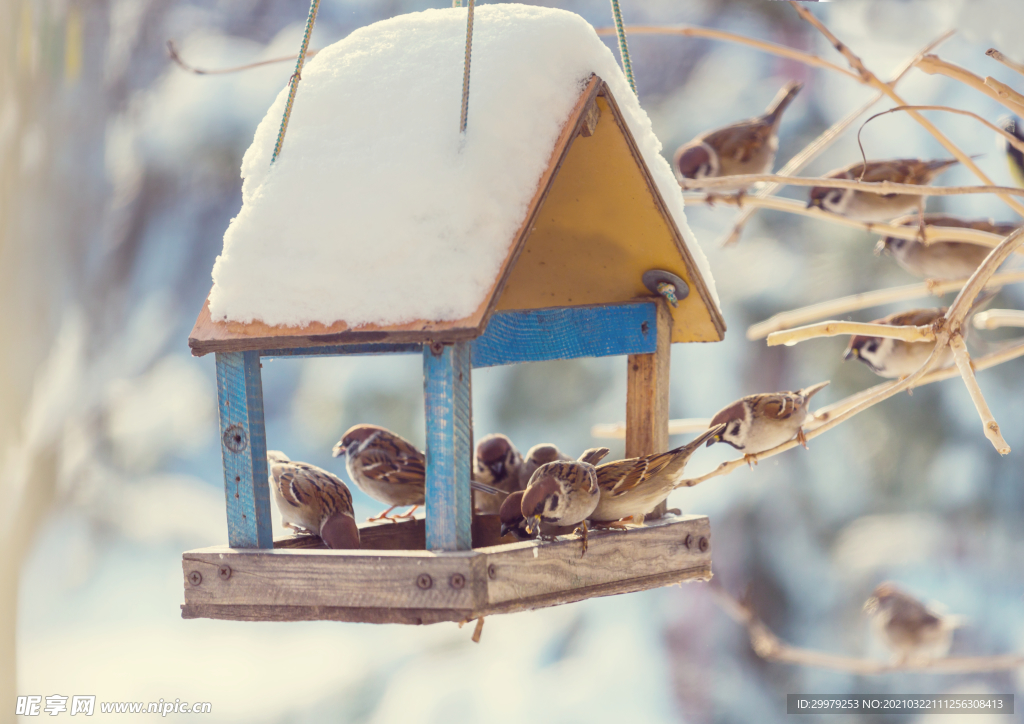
[
  {"x": 1011, "y": 64},
  {"x": 834, "y": 328},
  {"x": 871, "y": 187},
  {"x": 965, "y": 299},
  {"x": 963, "y": 363},
  {"x": 172, "y": 51},
  {"x": 1010, "y": 138},
  {"x": 1001, "y": 93},
  {"x": 996, "y": 318}
]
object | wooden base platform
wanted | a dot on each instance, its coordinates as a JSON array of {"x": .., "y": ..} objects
[{"x": 377, "y": 584}]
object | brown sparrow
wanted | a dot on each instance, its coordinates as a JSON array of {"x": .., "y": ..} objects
[
  {"x": 907, "y": 627},
  {"x": 313, "y": 500},
  {"x": 535, "y": 457},
  {"x": 940, "y": 260},
  {"x": 865, "y": 206},
  {"x": 634, "y": 487},
  {"x": 564, "y": 492},
  {"x": 760, "y": 422},
  {"x": 747, "y": 147},
  {"x": 389, "y": 469},
  {"x": 892, "y": 358},
  {"x": 498, "y": 463},
  {"x": 513, "y": 521}
]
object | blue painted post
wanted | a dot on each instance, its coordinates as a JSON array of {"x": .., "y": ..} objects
[
  {"x": 243, "y": 445},
  {"x": 447, "y": 391}
]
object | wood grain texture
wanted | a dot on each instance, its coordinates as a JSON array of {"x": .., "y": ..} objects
[
  {"x": 566, "y": 333},
  {"x": 447, "y": 393},
  {"x": 647, "y": 396},
  {"x": 338, "y": 350},
  {"x": 403, "y": 535},
  {"x": 381, "y": 586},
  {"x": 243, "y": 444}
]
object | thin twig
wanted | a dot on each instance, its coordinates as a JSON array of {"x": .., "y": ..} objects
[
  {"x": 1010, "y": 138},
  {"x": 617, "y": 430},
  {"x": 996, "y": 318},
  {"x": 812, "y": 150},
  {"x": 871, "y": 79},
  {"x": 872, "y": 187},
  {"x": 696, "y": 32},
  {"x": 933, "y": 64},
  {"x": 172, "y": 51},
  {"x": 834, "y": 328},
  {"x": 1011, "y": 64},
  {"x": 963, "y": 363},
  {"x": 866, "y": 300},
  {"x": 771, "y": 648}
]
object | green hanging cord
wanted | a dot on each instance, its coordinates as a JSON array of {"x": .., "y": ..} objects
[
  {"x": 623, "y": 48},
  {"x": 314, "y": 6}
]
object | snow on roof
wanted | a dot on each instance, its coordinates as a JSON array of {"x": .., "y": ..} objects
[{"x": 377, "y": 210}]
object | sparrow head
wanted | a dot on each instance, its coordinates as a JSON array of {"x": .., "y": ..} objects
[
  {"x": 736, "y": 418},
  {"x": 355, "y": 436},
  {"x": 496, "y": 458},
  {"x": 884, "y": 597},
  {"x": 543, "y": 453},
  {"x": 889, "y": 245},
  {"x": 696, "y": 160},
  {"x": 540, "y": 500},
  {"x": 511, "y": 513},
  {"x": 826, "y": 199},
  {"x": 872, "y": 351},
  {"x": 276, "y": 456},
  {"x": 340, "y": 531}
]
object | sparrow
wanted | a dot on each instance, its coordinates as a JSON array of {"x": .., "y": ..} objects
[
  {"x": 865, "y": 206},
  {"x": 564, "y": 493},
  {"x": 940, "y": 260},
  {"x": 312, "y": 500},
  {"x": 892, "y": 358},
  {"x": 907, "y": 627},
  {"x": 537, "y": 456},
  {"x": 1013, "y": 156},
  {"x": 634, "y": 487},
  {"x": 760, "y": 422},
  {"x": 513, "y": 521},
  {"x": 498, "y": 463},
  {"x": 389, "y": 469},
  {"x": 747, "y": 147}
]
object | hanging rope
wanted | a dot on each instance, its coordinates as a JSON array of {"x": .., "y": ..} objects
[
  {"x": 620, "y": 31},
  {"x": 465, "y": 72},
  {"x": 314, "y": 6}
]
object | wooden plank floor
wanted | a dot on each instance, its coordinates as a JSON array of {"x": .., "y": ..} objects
[{"x": 421, "y": 587}]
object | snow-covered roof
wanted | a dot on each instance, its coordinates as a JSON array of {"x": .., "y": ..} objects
[{"x": 378, "y": 212}]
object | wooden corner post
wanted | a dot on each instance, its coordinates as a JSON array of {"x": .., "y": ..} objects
[
  {"x": 447, "y": 388},
  {"x": 647, "y": 396},
  {"x": 243, "y": 446}
]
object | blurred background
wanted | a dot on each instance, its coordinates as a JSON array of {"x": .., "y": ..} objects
[{"x": 119, "y": 172}]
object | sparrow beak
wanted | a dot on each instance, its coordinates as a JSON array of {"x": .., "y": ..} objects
[
  {"x": 498, "y": 469},
  {"x": 338, "y": 450},
  {"x": 532, "y": 524},
  {"x": 881, "y": 247},
  {"x": 505, "y": 529},
  {"x": 814, "y": 204},
  {"x": 713, "y": 440},
  {"x": 851, "y": 353}
]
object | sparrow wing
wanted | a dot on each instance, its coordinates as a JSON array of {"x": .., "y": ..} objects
[
  {"x": 740, "y": 141},
  {"x": 304, "y": 485},
  {"x": 778, "y": 406},
  {"x": 393, "y": 466},
  {"x": 914, "y": 317}
]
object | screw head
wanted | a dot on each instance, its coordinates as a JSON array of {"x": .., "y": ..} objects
[
  {"x": 703, "y": 544},
  {"x": 492, "y": 572},
  {"x": 195, "y": 578},
  {"x": 224, "y": 572},
  {"x": 457, "y": 581},
  {"x": 235, "y": 439},
  {"x": 688, "y": 540},
  {"x": 424, "y": 581},
  {"x": 436, "y": 348}
]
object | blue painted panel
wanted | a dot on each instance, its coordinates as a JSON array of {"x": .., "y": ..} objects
[
  {"x": 447, "y": 388},
  {"x": 344, "y": 349},
  {"x": 243, "y": 444},
  {"x": 567, "y": 333}
]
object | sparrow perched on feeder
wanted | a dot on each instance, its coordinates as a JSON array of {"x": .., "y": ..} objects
[
  {"x": 634, "y": 487},
  {"x": 891, "y": 358},
  {"x": 940, "y": 260},
  {"x": 907, "y": 627},
  {"x": 513, "y": 521},
  {"x": 535, "y": 457},
  {"x": 865, "y": 206},
  {"x": 389, "y": 469},
  {"x": 760, "y": 422},
  {"x": 564, "y": 493},
  {"x": 498, "y": 463},
  {"x": 747, "y": 147},
  {"x": 1013, "y": 156},
  {"x": 313, "y": 500}
]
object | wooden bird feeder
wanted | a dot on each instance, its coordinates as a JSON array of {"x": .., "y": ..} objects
[{"x": 572, "y": 285}]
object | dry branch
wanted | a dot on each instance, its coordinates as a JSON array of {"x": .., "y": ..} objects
[
  {"x": 1010, "y": 138},
  {"x": 963, "y": 363},
  {"x": 996, "y": 318},
  {"x": 871, "y": 187},
  {"x": 866, "y": 300},
  {"x": 617, "y": 430},
  {"x": 933, "y": 64},
  {"x": 1011, "y": 64},
  {"x": 871, "y": 79},
  {"x": 771, "y": 648},
  {"x": 172, "y": 51},
  {"x": 835, "y": 328},
  {"x": 812, "y": 150}
]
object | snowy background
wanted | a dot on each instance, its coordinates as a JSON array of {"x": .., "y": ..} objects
[{"x": 119, "y": 173}]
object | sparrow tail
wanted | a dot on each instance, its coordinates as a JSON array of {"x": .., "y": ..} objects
[
  {"x": 808, "y": 392},
  {"x": 782, "y": 100},
  {"x": 696, "y": 442}
]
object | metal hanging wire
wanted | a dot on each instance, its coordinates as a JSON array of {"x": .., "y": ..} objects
[
  {"x": 469, "y": 56},
  {"x": 620, "y": 31},
  {"x": 296, "y": 77}
]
